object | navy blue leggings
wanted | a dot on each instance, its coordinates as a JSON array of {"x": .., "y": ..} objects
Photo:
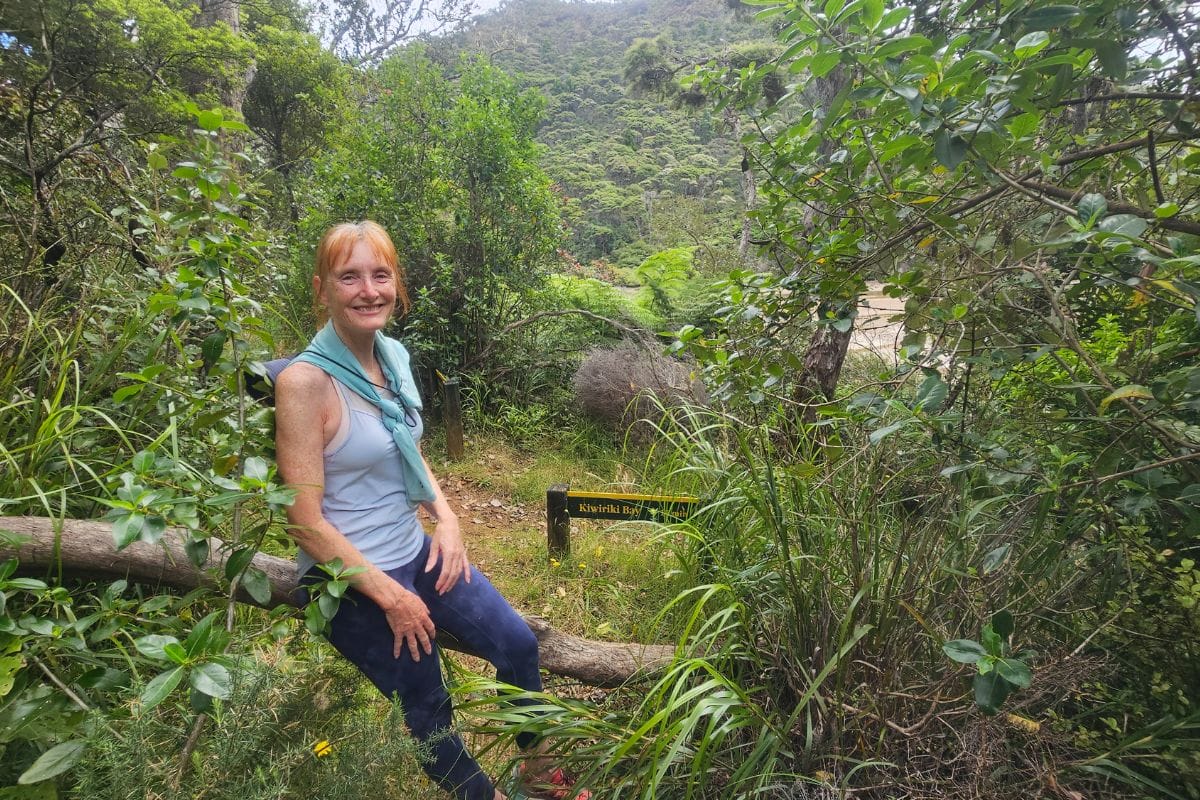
[{"x": 476, "y": 615}]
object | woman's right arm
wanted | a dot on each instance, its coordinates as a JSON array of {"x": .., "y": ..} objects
[{"x": 305, "y": 404}]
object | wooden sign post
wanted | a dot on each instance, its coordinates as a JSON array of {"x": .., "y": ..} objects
[
  {"x": 562, "y": 504},
  {"x": 452, "y": 410}
]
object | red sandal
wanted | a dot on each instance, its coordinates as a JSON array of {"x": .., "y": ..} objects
[{"x": 554, "y": 785}]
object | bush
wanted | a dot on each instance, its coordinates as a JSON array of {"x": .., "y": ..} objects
[{"x": 631, "y": 383}]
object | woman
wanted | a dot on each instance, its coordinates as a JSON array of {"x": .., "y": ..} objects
[{"x": 347, "y": 433}]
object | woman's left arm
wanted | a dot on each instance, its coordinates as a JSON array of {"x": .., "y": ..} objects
[{"x": 447, "y": 539}]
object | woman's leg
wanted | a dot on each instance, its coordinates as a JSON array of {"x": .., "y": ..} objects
[
  {"x": 478, "y": 616},
  {"x": 360, "y": 632}
]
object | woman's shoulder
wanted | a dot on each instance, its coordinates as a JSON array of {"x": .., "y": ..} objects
[{"x": 300, "y": 378}]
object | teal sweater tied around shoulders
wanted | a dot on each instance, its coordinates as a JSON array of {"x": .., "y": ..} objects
[{"x": 327, "y": 352}]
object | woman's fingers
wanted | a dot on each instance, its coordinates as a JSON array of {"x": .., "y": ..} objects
[{"x": 412, "y": 626}]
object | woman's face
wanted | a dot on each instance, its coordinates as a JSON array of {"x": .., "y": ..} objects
[{"x": 360, "y": 293}]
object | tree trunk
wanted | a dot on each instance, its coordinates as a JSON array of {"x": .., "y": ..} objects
[
  {"x": 827, "y": 349},
  {"x": 213, "y": 12},
  {"x": 84, "y": 550}
]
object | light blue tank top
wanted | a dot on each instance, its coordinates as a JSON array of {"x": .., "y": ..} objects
[{"x": 365, "y": 497}]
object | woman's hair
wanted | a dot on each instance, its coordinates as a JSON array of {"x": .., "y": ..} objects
[{"x": 335, "y": 248}]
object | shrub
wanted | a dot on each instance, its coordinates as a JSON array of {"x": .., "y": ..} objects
[{"x": 632, "y": 383}]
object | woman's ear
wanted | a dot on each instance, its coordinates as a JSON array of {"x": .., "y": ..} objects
[{"x": 317, "y": 296}]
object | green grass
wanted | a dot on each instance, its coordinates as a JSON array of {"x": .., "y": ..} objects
[{"x": 616, "y": 572}]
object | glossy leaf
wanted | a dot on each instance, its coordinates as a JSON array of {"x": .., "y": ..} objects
[
  {"x": 1130, "y": 392},
  {"x": 212, "y": 679},
  {"x": 1015, "y": 672},
  {"x": 949, "y": 149},
  {"x": 991, "y": 690},
  {"x": 53, "y": 762},
  {"x": 1003, "y": 624},
  {"x": 964, "y": 651},
  {"x": 160, "y": 687},
  {"x": 257, "y": 584},
  {"x": 1031, "y": 44}
]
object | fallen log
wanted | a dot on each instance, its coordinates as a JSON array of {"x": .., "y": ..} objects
[{"x": 84, "y": 550}]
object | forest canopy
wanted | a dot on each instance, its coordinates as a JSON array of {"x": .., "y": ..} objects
[{"x": 947, "y": 549}]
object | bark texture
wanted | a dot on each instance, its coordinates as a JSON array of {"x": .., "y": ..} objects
[{"x": 84, "y": 550}]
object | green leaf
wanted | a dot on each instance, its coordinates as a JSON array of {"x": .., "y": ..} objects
[
  {"x": 1031, "y": 44},
  {"x": 1124, "y": 225},
  {"x": 894, "y": 17},
  {"x": 823, "y": 63},
  {"x": 1128, "y": 392},
  {"x": 990, "y": 691},
  {"x": 9, "y": 667},
  {"x": 211, "y": 348},
  {"x": 213, "y": 680},
  {"x": 197, "y": 551},
  {"x": 1023, "y": 125},
  {"x": 156, "y": 161},
  {"x": 238, "y": 562},
  {"x": 1015, "y": 672},
  {"x": 879, "y": 434},
  {"x": 1002, "y": 623},
  {"x": 903, "y": 44},
  {"x": 209, "y": 120},
  {"x": 143, "y": 461},
  {"x": 1092, "y": 207},
  {"x": 314, "y": 620},
  {"x": 991, "y": 641},
  {"x": 833, "y": 8},
  {"x": 1113, "y": 59},
  {"x": 127, "y": 529},
  {"x": 993, "y": 559},
  {"x": 329, "y": 605},
  {"x": 154, "y": 645},
  {"x": 175, "y": 652},
  {"x": 257, "y": 585},
  {"x": 53, "y": 762},
  {"x": 931, "y": 394},
  {"x": 949, "y": 149},
  {"x": 255, "y": 468},
  {"x": 1166, "y": 210},
  {"x": 964, "y": 651},
  {"x": 157, "y": 690},
  {"x": 1046, "y": 17},
  {"x": 872, "y": 13},
  {"x": 198, "y": 640}
]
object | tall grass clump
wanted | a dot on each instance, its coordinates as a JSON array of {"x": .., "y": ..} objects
[
  {"x": 59, "y": 434},
  {"x": 827, "y": 586}
]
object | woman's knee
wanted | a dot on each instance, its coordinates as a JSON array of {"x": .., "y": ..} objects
[
  {"x": 519, "y": 662},
  {"x": 428, "y": 716}
]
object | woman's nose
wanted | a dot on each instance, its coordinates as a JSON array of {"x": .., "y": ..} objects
[{"x": 367, "y": 287}]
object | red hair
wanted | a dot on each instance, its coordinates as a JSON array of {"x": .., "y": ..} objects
[{"x": 338, "y": 241}]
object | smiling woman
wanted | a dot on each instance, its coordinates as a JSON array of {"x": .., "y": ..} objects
[
  {"x": 348, "y": 428},
  {"x": 356, "y": 256}
]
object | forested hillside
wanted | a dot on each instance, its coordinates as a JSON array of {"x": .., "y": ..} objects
[
  {"x": 641, "y": 171},
  {"x": 637, "y": 239}
]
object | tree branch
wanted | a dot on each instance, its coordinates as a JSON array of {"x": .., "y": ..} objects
[
  {"x": 84, "y": 550},
  {"x": 1172, "y": 224},
  {"x": 1113, "y": 96}
]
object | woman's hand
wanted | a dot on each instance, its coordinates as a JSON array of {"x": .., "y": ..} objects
[
  {"x": 409, "y": 620},
  {"x": 447, "y": 542}
]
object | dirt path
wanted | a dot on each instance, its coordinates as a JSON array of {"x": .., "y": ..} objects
[{"x": 874, "y": 331}]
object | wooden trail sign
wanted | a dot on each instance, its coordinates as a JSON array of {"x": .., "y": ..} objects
[{"x": 562, "y": 504}]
